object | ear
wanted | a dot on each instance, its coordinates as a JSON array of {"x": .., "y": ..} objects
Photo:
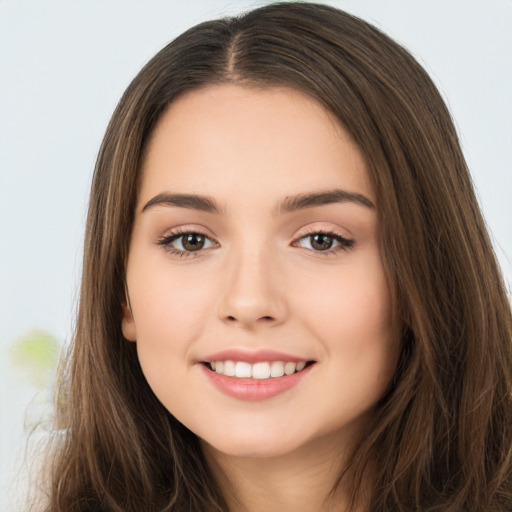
[{"x": 128, "y": 324}]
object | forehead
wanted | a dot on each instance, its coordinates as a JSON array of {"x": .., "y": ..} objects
[{"x": 259, "y": 142}]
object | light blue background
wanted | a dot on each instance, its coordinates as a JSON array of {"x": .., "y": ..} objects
[{"x": 64, "y": 66}]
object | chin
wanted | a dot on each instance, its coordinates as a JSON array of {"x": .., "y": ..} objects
[
  {"x": 263, "y": 443},
  {"x": 250, "y": 448}
]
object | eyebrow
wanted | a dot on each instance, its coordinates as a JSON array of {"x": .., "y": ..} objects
[
  {"x": 309, "y": 200},
  {"x": 190, "y": 201},
  {"x": 288, "y": 205}
]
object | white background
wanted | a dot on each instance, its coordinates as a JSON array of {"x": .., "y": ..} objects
[{"x": 64, "y": 66}]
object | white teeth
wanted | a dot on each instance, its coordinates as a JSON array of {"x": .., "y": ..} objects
[
  {"x": 229, "y": 368},
  {"x": 276, "y": 369},
  {"x": 259, "y": 371},
  {"x": 290, "y": 368},
  {"x": 243, "y": 370}
]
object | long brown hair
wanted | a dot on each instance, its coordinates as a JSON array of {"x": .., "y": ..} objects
[{"x": 442, "y": 434}]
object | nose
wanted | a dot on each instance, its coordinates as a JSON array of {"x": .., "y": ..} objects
[{"x": 253, "y": 293}]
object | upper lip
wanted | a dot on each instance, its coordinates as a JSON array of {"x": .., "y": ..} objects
[{"x": 253, "y": 356}]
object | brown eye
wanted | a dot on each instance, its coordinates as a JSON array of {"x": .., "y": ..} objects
[
  {"x": 193, "y": 241},
  {"x": 325, "y": 242},
  {"x": 321, "y": 241},
  {"x": 184, "y": 244}
]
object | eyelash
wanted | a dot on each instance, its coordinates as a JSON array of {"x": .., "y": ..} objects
[{"x": 344, "y": 243}]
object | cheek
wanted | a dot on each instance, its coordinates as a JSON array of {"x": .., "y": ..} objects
[
  {"x": 353, "y": 321},
  {"x": 354, "y": 324},
  {"x": 168, "y": 304},
  {"x": 359, "y": 302},
  {"x": 169, "y": 311}
]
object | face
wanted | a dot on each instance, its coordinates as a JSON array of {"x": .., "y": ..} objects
[{"x": 255, "y": 288}]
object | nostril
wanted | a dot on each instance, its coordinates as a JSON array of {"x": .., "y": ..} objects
[{"x": 248, "y": 320}]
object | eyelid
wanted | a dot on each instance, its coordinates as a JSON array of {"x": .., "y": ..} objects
[{"x": 186, "y": 229}]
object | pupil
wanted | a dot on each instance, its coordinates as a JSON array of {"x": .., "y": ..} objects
[
  {"x": 321, "y": 242},
  {"x": 193, "y": 242}
]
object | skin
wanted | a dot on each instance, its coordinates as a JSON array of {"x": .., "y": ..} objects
[{"x": 260, "y": 283}]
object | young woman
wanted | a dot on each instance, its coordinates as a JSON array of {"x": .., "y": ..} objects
[{"x": 289, "y": 297}]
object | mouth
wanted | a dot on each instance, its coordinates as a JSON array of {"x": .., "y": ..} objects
[{"x": 262, "y": 370}]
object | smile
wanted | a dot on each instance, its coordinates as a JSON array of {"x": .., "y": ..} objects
[
  {"x": 259, "y": 371},
  {"x": 256, "y": 381}
]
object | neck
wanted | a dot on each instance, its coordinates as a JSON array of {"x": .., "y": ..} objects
[{"x": 306, "y": 479}]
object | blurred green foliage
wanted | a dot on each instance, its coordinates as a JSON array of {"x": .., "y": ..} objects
[{"x": 35, "y": 353}]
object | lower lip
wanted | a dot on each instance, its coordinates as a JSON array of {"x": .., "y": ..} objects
[{"x": 254, "y": 389}]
